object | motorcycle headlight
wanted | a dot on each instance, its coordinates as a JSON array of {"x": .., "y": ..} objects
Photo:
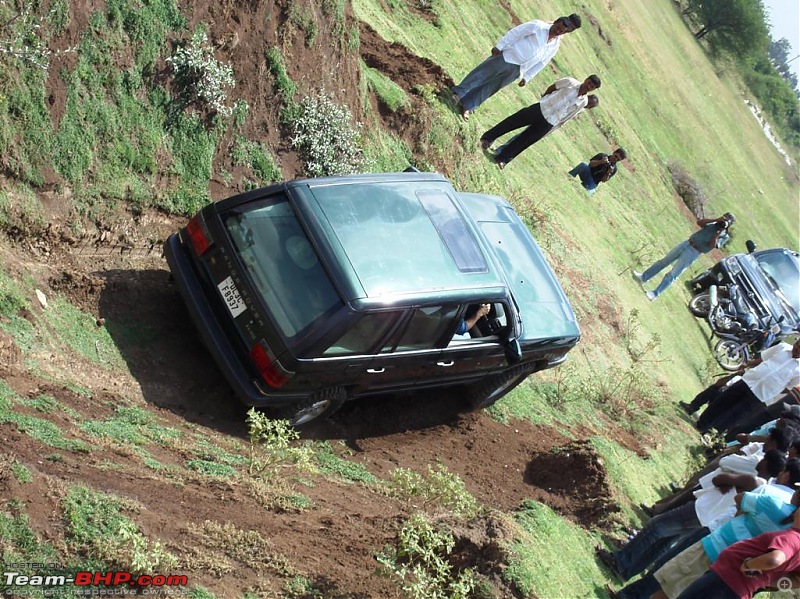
[{"x": 732, "y": 264}]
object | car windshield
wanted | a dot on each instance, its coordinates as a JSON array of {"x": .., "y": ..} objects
[
  {"x": 783, "y": 269},
  {"x": 282, "y": 264}
]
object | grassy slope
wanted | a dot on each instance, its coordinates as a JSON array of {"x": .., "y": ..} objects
[{"x": 661, "y": 100}]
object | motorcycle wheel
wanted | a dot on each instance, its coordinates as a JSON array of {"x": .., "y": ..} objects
[
  {"x": 730, "y": 355},
  {"x": 700, "y": 305}
]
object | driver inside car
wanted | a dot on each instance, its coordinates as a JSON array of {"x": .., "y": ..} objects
[{"x": 468, "y": 322}]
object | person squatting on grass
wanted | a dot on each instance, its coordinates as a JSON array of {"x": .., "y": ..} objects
[
  {"x": 600, "y": 168},
  {"x": 686, "y": 252},
  {"x": 521, "y": 52},
  {"x": 561, "y": 102}
]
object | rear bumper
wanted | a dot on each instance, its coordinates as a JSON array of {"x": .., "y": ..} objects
[{"x": 214, "y": 337}]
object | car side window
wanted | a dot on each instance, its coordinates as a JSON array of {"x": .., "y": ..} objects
[
  {"x": 489, "y": 328},
  {"x": 426, "y": 328},
  {"x": 363, "y": 335}
]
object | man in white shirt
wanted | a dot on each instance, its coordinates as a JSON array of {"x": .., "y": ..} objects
[
  {"x": 522, "y": 51},
  {"x": 762, "y": 384},
  {"x": 562, "y": 101}
]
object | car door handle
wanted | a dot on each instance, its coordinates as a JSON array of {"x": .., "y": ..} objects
[
  {"x": 375, "y": 370},
  {"x": 446, "y": 364}
]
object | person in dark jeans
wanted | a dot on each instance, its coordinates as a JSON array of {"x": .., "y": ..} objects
[{"x": 600, "y": 168}]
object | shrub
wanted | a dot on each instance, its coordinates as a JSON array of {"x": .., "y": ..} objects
[
  {"x": 271, "y": 445},
  {"x": 438, "y": 488},
  {"x": 688, "y": 188},
  {"x": 201, "y": 78},
  {"x": 420, "y": 562},
  {"x": 325, "y": 137}
]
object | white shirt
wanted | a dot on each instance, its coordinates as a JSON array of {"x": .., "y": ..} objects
[
  {"x": 528, "y": 46},
  {"x": 744, "y": 463},
  {"x": 561, "y": 105},
  {"x": 778, "y": 371}
]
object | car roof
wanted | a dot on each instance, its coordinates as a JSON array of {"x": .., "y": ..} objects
[{"x": 399, "y": 237}]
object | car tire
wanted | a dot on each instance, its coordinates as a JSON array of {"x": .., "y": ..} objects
[
  {"x": 487, "y": 391},
  {"x": 321, "y": 404},
  {"x": 700, "y": 304}
]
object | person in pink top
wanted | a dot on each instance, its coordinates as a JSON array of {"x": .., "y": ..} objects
[{"x": 768, "y": 561}]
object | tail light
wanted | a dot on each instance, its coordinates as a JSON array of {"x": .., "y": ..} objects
[
  {"x": 271, "y": 370},
  {"x": 198, "y": 235}
]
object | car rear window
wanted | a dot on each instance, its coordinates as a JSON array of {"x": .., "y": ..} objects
[{"x": 282, "y": 264}]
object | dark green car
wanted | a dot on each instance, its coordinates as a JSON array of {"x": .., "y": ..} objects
[{"x": 313, "y": 292}]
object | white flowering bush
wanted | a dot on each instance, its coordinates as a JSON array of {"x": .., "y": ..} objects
[
  {"x": 201, "y": 78},
  {"x": 325, "y": 137},
  {"x": 22, "y": 35}
]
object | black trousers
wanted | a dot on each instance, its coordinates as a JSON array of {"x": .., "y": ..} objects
[
  {"x": 726, "y": 410},
  {"x": 536, "y": 128}
]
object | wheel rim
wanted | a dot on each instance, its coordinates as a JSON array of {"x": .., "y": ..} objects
[
  {"x": 700, "y": 304},
  {"x": 729, "y": 355}
]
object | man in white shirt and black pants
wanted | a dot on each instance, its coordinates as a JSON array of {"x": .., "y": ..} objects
[
  {"x": 762, "y": 384},
  {"x": 562, "y": 101},
  {"x": 523, "y": 51}
]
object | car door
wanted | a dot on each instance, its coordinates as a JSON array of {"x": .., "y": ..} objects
[
  {"x": 479, "y": 351},
  {"x": 411, "y": 356}
]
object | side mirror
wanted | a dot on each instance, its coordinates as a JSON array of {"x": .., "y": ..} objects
[
  {"x": 513, "y": 351},
  {"x": 750, "y": 245}
]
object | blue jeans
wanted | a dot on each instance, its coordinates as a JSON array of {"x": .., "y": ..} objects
[
  {"x": 485, "y": 80},
  {"x": 682, "y": 255},
  {"x": 583, "y": 171},
  {"x": 709, "y": 586},
  {"x": 658, "y": 535}
]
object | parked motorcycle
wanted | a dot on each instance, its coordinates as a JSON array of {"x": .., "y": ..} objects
[{"x": 742, "y": 336}]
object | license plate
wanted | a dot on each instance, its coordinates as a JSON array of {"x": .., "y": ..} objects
[{"x": 230, "y": 295}]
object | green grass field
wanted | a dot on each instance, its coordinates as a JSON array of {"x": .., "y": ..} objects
[
  {"x": 661, "y": 99},
  {"x": 664, "y": 101}
]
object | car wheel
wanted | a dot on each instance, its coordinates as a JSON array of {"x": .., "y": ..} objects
[
  {"x": 486, "y": 392},
  {"x": 730, "y": 355},
  {"x": 321, "y": 404},
  {"x": 700, "y": 305}
]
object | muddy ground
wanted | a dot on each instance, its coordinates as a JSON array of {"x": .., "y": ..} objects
[{"x": 114, "y": 271}]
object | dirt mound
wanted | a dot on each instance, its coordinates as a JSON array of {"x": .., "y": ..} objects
[{"x": 572, "y": 480}]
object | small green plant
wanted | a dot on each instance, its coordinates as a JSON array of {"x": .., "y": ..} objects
[
  {"x": 637, "y": 351},
  {"x": 200, "y": 77},
  {"x": 286, "y": 87},
  {"x": 439, "y": 488},
  {"x": 96, "y": 526},
  {"x": 325, "y": 137},
  {"x": 210, "y": 468},
  {"x": 420, "y": 562},
  {"x": 332, "y": 464},
  {"x": 301, "y": 15},
  {"x": 271, "y": 445}
]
